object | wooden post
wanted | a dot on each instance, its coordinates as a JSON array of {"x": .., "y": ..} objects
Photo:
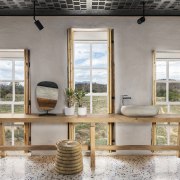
[
  {"x": 153, "y": 135},
  {"x": 92, "y": 144},
  {"x": 178, "y": 142},
  {"x": 71, "y": 131},
  {"x": 27, "y": 131},
  {"x": 2, "y": 154}
]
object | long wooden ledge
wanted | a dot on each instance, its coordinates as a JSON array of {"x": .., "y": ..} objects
[{"x": 111, "y": 118}]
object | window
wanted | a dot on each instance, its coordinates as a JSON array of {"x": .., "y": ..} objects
[
  {"x": 89, "y": 69},
  {"x": 12, "y": 92},
  {"x": 167, "y": 93},
  {"x": 91, "y": 74},
  {"x": 11, "y": 85}
]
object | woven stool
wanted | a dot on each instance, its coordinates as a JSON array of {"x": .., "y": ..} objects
[{"x": 69, "y": 157}]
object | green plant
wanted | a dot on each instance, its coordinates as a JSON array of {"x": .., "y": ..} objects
[
  {"x": 70, "y": 97},
  {"x": 80, "y": 94}
]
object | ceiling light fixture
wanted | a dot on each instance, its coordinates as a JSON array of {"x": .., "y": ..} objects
[
  {"x": 142, "y": 19},
  {"x": 37, "y": 22}
]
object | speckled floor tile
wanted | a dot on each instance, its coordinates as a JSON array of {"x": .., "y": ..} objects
[{"x": 107, "y": 168}]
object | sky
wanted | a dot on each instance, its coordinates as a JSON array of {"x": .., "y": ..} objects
[
  {"x": 174, "y": 70},
  {"x": 82, "y": 60},
  {"x": 6, "y": 69}
]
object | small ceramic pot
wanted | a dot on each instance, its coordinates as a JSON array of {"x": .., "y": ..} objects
[
  {"x": 69, "y": 111},
  {"x": 82, "y": 111}
]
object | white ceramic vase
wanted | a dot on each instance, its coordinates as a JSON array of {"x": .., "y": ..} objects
[
  {"x": 82, "y": 111},
  {"x": 69, "y": 111}
]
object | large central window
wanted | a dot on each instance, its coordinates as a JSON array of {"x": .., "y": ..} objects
[
  {"x": 90, "y": 69},
  {"x": 91, "y": 73}
]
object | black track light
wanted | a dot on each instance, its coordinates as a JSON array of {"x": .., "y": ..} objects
[
  {"x": 142, "y": 19},
  {"x": 37, "y": 22}
]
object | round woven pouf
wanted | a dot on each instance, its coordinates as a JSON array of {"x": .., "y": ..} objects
[{"x": 69, "y": 157}]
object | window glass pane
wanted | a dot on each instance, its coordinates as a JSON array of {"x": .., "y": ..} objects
[
  {"x": 19, "y": 109},
  {"x": 5, "y": 108},
  {"x": 99, "y": 55},
  {"x": 160, "y": 70},
  {"x": 19, "y": 91},
  {"x": 99, "y": 104},
  {"x": 82, "y": 80},
  {"x": 5, "y": 70},
  {"x": 82, "y": 133},
  {"x": 174, "y": 70},
  {"x": 81, "y": 55},
  {"x": 18, "y": 135},
  {"x": 174, "y": 92},
  {"x": 173, "y": 135},
  {"x": 160, "y": 92},
  {"x": 99, "y": 80},
  {"x": 8, "y": 136},
  {"x": 163, "y": 109},
  {"x": 161, "y": 135},
  {"x": 19, "y": 70},
  {"x": 101, "y": 134},
  {"x": 5, "y": 91},
  {"x": 175, "y": 109}
]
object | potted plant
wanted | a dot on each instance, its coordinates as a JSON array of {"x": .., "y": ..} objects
[
  {"x": 80, "y": 94},
  {"x": 70, "y": 101}
]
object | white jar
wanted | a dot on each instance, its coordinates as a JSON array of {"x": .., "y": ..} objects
[
  {"x": 69, "y": 111},
  {"x": 82, "y": 111}
]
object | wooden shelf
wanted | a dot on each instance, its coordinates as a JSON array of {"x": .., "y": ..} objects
[
  {"x": 111, "y": 118},
  {"x": 92, "y": 119}
]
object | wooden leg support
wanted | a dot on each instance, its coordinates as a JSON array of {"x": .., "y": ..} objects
[
  {"x": 178, "y": 143},
  {"x": 27, "y": 131},
  {"x": 153, "y": 135},
  {"x": 71, "y": 131},
  {"x": 2, "y": 154},
  {"x": 92, "y": 144}
]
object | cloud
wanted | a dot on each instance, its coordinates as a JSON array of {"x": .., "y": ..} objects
[
  {"x": 174, "y": 70},
  {"x": 82, "y": 55},
  {"x": 6, "y": 70}
]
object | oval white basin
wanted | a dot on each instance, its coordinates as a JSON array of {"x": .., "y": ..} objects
[{"x": 135, "y": 110}]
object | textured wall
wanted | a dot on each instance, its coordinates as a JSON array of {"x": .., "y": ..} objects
[{"x": 133, "y": 58}]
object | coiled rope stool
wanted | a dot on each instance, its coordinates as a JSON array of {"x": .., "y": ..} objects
[{"x": 69, "y": 157}]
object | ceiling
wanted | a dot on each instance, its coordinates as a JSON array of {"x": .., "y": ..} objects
[{"x": 90, "y": 7}]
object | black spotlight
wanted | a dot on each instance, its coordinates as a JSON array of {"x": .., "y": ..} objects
[
  {"x": 37, "y": 22},
  {"x": 142, "y": 19}
]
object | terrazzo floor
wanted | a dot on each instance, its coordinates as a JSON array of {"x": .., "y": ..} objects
[{"x": 107, "y": 168}]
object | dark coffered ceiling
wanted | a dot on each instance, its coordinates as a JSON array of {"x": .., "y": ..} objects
[{"x": 90, "y": 7}]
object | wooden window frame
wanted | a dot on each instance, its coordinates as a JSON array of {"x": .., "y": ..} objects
[
  {"x": 154, "y": 125},
  {"x": 111, "y": 82},
  {"x": 27, "y": 101}
]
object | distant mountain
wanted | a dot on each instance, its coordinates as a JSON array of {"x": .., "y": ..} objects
[{"x": 96, "y": 87}]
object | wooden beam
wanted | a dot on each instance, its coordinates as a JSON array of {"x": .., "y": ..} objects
[
  {"x": 92, "y": 144},
  {"x": 93, "y": 148},
  {"x": 109, "y": 118},
  {"x": 138, "y": 147},
  {"x": 28, "y": 148}
]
